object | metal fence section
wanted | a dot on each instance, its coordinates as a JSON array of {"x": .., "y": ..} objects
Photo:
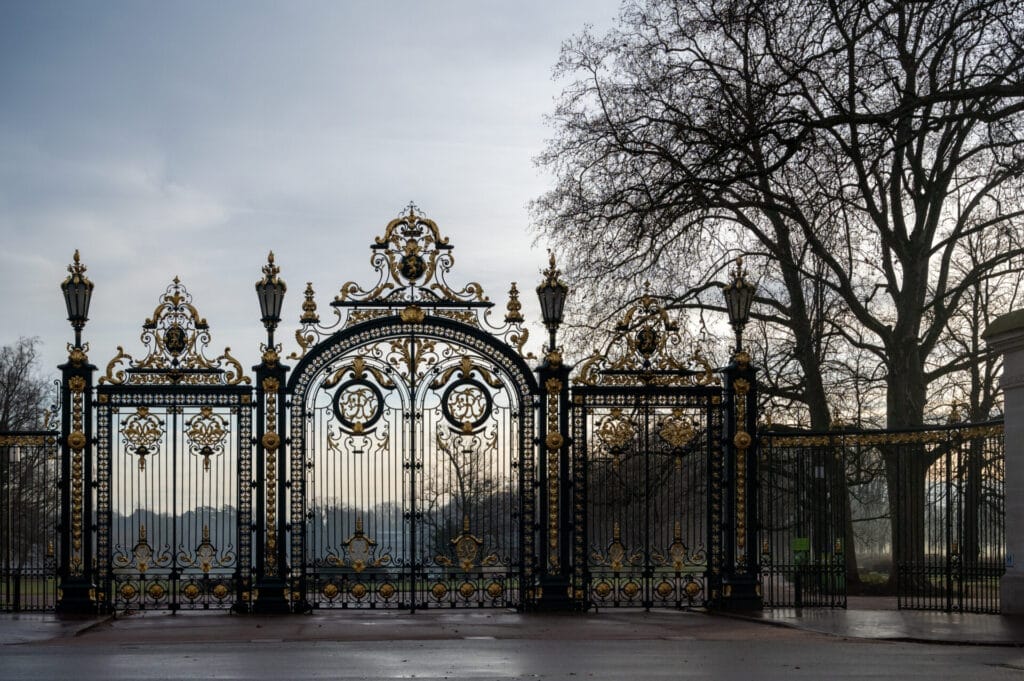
[
  {"x": 927, "y": 502},
  {"x": 802, "y": 516},
  {"x": 950, "y": 518},
  {"x": 29, "y": 471}
]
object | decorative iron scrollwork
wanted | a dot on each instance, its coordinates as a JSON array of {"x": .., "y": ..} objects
[
  {"x": 644, "y": 351},
  {"x": 616, "y": 431},
  {"x": 358, "y": 402},
  {"x": 677, "y": 430},
  {"x": 412, "y": 259},
  {"x": 206, "y": 556},
  {"x": 616, "y": 556},
  {"x": 207, "y": 434},
  {"x": 142, "y": 556},
  {"x": 142, "y": 433},
  {"x": 466, "y": 403},
  {"x": 176, "y": 337},
  {"x": 361, "y": 551}
]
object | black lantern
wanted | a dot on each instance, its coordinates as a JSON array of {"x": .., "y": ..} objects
[
  {"x": 739, "y": 294},
  {"x": 77, "y": 291},
  {"x": 552, "y": 293},
  {"x": 270, "y": 290}
]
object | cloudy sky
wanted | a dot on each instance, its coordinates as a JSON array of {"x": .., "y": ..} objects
[{"x": 188, "y": 139}]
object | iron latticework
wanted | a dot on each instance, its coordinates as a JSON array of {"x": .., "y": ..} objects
[
  {"x": 411, "y": 440},
  {"x": 934, "y": 496},
  {"x": 174, "y": 470},
  {"x": 647, "y": 427}
]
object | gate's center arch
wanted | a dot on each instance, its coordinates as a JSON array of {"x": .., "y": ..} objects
[{"x": 411, "y": 429}]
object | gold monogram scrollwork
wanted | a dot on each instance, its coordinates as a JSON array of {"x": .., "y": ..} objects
[
  {"x": 645, "y": 350},
  {"x": 176, "y": 339}
]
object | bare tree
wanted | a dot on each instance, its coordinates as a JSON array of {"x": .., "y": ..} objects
[
  {"x": 24, "y": 393},
  {"x": 853, "y": 148},
  {"x": 27, "y": 469}
]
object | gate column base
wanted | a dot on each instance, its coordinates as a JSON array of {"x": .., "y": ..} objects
[
  {"x": 741, "y": 592},
  {"x": 77, "y": 599},
  {"x": 554, "y": 596},
  {"x": 272, "y": 599}
]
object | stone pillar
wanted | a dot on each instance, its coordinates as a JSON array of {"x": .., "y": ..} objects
[{"x": 1005, "y": 335}]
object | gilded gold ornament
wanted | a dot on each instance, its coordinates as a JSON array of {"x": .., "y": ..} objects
[
  {"x": 271, "y": 441},
  {"x": 413, "y": 314},
  {"x": 76, "y": 440}
]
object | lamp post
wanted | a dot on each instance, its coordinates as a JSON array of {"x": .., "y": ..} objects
[
  {"x": 272, "y": 526},
  {"x": 75, "y": 569},
  {"x": 77, "y": 291},
  {"x": 739, "y": 586},
  {"x": 739, "y": 294},
  {"x": 552, "y": 293},
  {"x": 555, "y": 516},
  {"x": 270, "y": 290}
]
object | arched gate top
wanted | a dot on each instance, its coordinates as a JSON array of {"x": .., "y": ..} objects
[{"x": 412, "y": 296}]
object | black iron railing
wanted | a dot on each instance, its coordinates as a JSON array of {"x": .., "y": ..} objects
[{"x": 917, "y": 514}]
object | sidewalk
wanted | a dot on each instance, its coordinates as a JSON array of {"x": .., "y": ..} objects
[
  {"x": 873, "y": 624},
  {"x": 899, "y": 625}
]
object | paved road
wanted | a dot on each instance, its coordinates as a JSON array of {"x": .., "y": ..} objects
[
  {"x": 802, "y": 657},
  {"x": 619, "y": 646}
]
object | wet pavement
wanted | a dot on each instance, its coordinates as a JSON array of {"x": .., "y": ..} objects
[{"x": 612, "y": 644}]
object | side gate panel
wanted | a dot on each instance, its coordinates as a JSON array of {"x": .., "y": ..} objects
[
  {"x": 644, "y": 462},
  {"x": 174, "y": 503}
]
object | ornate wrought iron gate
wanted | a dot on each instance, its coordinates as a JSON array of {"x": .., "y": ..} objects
[
  {"x": 412, "y": 435},
  {"x": 648, "y": 431},
  {"x": 409, "y": 458},
  {"x": 173, "y": 471}
]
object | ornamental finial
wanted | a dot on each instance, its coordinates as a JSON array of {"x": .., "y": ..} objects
[
  {"x": 309, "y": 314},
  {"x": 514, "y": 314},
  {"x": 552, "y": 273},
  {"x": 739, "y": 274},
  {"x": 76, "y": 268},
  {"x": 270, "y": 270}
]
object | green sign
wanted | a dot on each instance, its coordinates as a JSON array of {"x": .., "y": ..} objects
[{"x": 800, "y": 544}]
